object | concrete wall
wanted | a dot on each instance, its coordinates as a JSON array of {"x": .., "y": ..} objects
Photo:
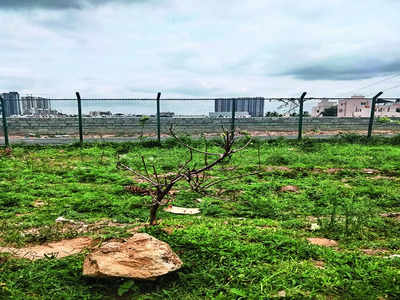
[{"x": 132, "y": 125}]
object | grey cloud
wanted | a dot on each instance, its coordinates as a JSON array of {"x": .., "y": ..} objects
[
  {"x": 187, "y": 90},
  {"x": 329, "y": 70},
  {"x": 57, "y": 4},
  {"x": 195, "y": 90}
]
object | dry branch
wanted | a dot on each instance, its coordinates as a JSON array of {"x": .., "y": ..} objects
[{"x": 184, "y": 172}]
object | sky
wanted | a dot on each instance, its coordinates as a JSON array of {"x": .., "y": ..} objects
[{"x": 207, "y": 48}]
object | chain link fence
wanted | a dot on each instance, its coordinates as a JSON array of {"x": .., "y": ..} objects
[{"x": 43, "y": 120}]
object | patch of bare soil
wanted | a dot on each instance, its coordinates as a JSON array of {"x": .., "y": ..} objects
[
  {"x": 333, "y": 170},
  {"x": 322, "y": 242},
  {"x": 312, "y": 219},
  {"x": 65, "y": 226},
  {"x": 392, "y": 215},
  {"x": 377, "y": 177},
  {"x": 38, "y": 203},
  {"x": 138, "y": 179},
  {"x": 277, "y": 168},
  {"x": 57, "y": 249},
  {"x": 137, "y": 190},
  {"x": 168, "y": 230},
  {"x": 373, "y": 251},
  {"x": 290, "y": 188},
  {"x": 318, "y": 264},
  {"x": 370, "y": 171},
  {"x": 22, "y": 215}
]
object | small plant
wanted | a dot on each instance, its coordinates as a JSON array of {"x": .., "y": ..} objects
[
  {"x": 384, "y": 120},
  {"x": 164, "y": 184},
  {"x": 143, "y": 120},
  {"x": 126, "y": 287},
  {"x": 348, "y": 217}
]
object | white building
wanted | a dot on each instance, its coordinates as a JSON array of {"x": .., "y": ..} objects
[
  {"x": 321, "y": 106},
  {"x": 37, "y": 106},
  {"x": 360, "y": 107},
  {"x": 100, "y": 113}
]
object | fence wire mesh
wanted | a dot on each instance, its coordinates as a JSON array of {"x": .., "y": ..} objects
[{"x": 44, "y": 120}]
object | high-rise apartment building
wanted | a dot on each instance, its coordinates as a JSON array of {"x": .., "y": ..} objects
[
  {"x": 11, "y": 103},
  {"x": 35, "y": 106},
  {"x": 254, "y": 106}
]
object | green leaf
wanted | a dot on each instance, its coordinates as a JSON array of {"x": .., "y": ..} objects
[
  {"x": 125, "y": 287},
  {"x": 238, "y": 292}
]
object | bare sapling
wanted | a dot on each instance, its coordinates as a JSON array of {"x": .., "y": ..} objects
[{"x": 163, "y": 184}]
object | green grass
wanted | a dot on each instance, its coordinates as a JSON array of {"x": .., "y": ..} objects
[{"x": 249, "y": 241}]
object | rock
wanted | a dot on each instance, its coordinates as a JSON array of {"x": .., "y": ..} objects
[
  {"x": 281, "y": 294},
  {"x": 290, "y": 188},
  {"x": 182, "y": 210},
  {"x": 370, "y": 171},
  {"x": 322, "y": 242},
  {"x": 392, "y": 256},
  {"x": 64, "y": 220},
  {"x": 314, "y": 227},
  {"x": 139, "y": 257},
  {"x": 57, "y": 249}
]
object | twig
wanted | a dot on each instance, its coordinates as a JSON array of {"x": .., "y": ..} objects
[{"x": 136, "y": 173}]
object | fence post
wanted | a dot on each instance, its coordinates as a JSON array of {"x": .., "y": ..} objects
[
  {"x": 5, "y": 128},
  {"x": 233, "y": 115},
  {"x": 372, "y": 116},
  {"x": 301, "y": 108},
  {"x": 78, "y": 97},
  {"x": 158, "y": 119}
]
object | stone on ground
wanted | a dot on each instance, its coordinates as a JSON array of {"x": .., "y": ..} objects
[
  {"x": 182, "y": 210},
  {"x": 140, "y": 257}
]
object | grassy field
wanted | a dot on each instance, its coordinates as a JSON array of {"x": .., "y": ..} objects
[{"x": 250, "y": 240}]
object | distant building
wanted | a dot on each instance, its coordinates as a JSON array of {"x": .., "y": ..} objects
[
  {"x": 226, "y": 114},
  {"x": 36, "y": 106},
  {"x": 11, "y": 103},
  {"x": 167, "y": 114},
  {"x": 100, "y": 113},
  {"x": 320, "y": 108},
  {"x": 189, "y": 116},
  {"x": 254, "y": 106},
  {"x": 360, "y": 107}
]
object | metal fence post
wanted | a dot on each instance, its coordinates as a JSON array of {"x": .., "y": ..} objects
[
  {"x": 158, "y": 119},
  {"x": 372, "y": 116},
  {"x": 5, "y": 126},
  {"x": 233, "y": 115},
  {"x": 78, "y": 97},
  {"x": 301, "y": 109}
]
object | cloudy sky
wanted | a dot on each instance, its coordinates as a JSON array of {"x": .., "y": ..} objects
[{"x": 203, "y": 48}]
